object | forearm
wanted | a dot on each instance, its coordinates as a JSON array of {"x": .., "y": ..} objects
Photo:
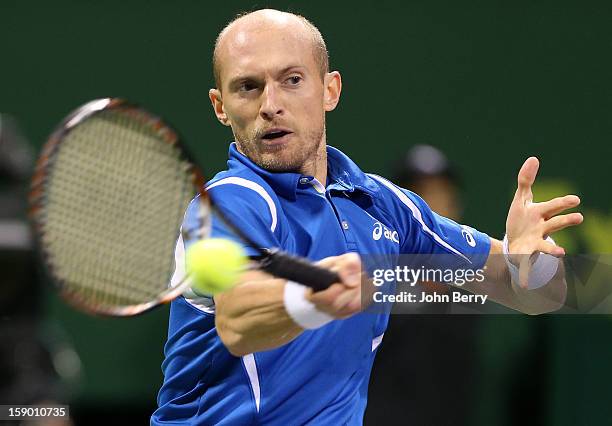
[
  {"x": 498, "y": 286},
  {"x": 251, "y": 316}
]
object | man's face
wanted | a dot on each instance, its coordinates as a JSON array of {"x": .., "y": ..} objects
[{"x": 273, "y": 96}]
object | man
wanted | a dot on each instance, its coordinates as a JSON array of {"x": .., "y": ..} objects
[{"x": 269, "y": 351}]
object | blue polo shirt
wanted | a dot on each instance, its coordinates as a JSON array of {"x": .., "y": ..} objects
[{"x": 321, "y": 377}]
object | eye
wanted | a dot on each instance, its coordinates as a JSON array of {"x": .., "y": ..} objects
[
  {"x": 247, "y": 86},
  {"x": 294, "y": 80}
]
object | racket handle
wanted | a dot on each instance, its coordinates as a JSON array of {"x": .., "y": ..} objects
[{"x": 300, "y": 270}]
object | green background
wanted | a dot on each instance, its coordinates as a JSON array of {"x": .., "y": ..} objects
[{"x": 489, "y": 82}]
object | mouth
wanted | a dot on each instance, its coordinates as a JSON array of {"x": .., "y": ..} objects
[{"x": 276, "y": 135}]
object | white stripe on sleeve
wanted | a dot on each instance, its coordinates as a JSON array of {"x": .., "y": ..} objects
[
  {"x": 416, "y": 213},
  {"x": 234, "y": 180}
]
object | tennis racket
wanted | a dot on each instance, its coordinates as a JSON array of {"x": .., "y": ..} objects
[{"x": 107, "y": 200}]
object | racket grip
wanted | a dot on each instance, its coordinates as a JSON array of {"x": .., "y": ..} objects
[{"x": 300, "y": 270}]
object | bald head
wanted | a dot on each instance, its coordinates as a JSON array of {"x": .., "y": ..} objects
[{"x": 265, "y": 20}]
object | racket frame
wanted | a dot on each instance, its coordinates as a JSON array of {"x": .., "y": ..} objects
[{"x": 36, "y": 198}]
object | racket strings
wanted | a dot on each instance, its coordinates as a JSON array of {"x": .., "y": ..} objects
[{"x": 114, "y": 206}]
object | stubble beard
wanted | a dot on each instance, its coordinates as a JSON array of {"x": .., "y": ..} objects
[{"x": 298, "y": 157}]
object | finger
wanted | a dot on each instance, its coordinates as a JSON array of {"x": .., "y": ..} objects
[
  {"x": 558, "y": 223},
  {"x": 348, "y": 303},
  {"x": 349, "y": 269},
  {"x": 557, "y": 205},
  {"x": 526, "y": 178},
  {"x": 347, "y": 266},
  {"x": 324, "y": 299},
  {"x": 337, "y": 301},
  {"x": 328, "y": 262},
  {"x": 356, "y": 304},
  {"x": 524, "y": 268},
  {"x": 550, "y": 248},
  {"x": 341, "y": 301}
]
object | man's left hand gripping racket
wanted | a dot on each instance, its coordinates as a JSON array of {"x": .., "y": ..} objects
[{"x": 108, "y": 197}]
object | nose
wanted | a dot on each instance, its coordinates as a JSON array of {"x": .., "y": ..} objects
[{"x": 270, "y": 103}]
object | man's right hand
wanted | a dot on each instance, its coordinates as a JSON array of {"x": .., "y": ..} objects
[
  {"x": 341, "y": 300},
  {"x": 251, "y": 316}
]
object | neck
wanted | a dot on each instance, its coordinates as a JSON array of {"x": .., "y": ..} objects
[{"x": 317, "y": 165}]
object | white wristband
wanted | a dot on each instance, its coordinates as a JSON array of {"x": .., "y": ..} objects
[
  {"x": 541, "y": 272},
  {"x": 302, "y": 311}
]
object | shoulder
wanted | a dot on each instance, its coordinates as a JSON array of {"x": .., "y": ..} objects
[
  {"x": 243, "y": 193},
  {"x": 246, "y": 186},
  {"x": 393, "y": 195},
  {"x": 409, "y": 211}
]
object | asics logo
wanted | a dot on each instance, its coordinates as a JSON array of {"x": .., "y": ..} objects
[
  {"x": 381, "y": 230},
  {"x": 469, "y": 237}
]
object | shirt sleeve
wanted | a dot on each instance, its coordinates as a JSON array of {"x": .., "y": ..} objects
[
  {"x": 440, "y": 241},
  {"x": 426, "y": 232},
  {"x": 254, "y": 214}
]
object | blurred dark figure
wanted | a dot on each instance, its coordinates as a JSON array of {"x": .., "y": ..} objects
[
  {"x": 424, "y": 371},
  {"x": 426, "y": 171},
  {"x": 27, "y": 372}
]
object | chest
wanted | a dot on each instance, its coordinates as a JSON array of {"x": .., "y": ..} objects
[{"x": 322, "y": 225}]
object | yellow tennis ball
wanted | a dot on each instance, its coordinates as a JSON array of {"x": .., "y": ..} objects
[{"x": 214, "y": 264}]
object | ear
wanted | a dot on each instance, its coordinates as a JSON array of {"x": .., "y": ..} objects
[
  {"x": 217, "y": 104},
  {"x": 333, "y": 86}
]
